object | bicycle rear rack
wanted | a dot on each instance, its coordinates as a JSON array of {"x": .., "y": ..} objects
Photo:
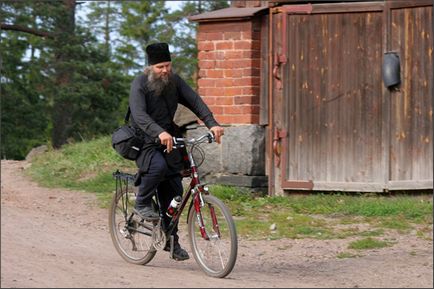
[{"x": 124, "y": 182}]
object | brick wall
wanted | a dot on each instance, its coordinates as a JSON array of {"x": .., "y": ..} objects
[{"x": 229, "y": 70}]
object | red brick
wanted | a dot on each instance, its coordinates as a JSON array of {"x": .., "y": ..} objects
[
  {"x": 228, "y": 64},
  {"x": 216, "y": 91},
  {"x": 209, "y": 100},
  {"x": 201, "y": 37},
  {"x": 251, "y": 109},
  {"x": 237, "y": 119},
  {"x": 205, "y": 45},
  {"x": 205, "y": 82},
  {"x": 237, "y": 73},
  {"x": 225, "y": 100},
  {"x": 219, "y": 55},
  {"x": 246, "y": 100},
  {"x": 232, "y": 109},
  {"x": 224, "y": 82},
  {"x": 251, "y": 90},
  {"x": 232, "y": 35},
  {"x": 251, "y": 71},
  {"x": 248, "y": 81},
  {"x": 251, "y": 54},
  {"x": 216, "y": 109},
  {"x": 202, "y": 55},
  {"x": 206, "y": 64},
  {"x": 247, "y": 63},
  {"x": 246, "y": 35},
  {"x": 230, "y": 26},
  {"x": 234, "y": 54},
  {"x": 203, "y": 73},
  {"x": 213, "y": 36},
  {"x": 215, "y": 73},
  {"x": 233, "y": 91},
  {"x": 243, "y": 45},
  {"x": 202, "y": 91},
  {"x": 224, "y": 45}
]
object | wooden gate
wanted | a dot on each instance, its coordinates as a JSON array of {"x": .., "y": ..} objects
[{"x": 336, "y": 126}]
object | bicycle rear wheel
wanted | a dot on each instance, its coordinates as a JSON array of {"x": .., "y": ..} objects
[
  {"x": 131, "y": 236},
  {"x": 217, "y": 255}
]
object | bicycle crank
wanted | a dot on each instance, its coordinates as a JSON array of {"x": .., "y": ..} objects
[{"x": 158, "y": 237}]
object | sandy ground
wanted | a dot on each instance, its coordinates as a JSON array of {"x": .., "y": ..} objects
[{"x": 60, "y": 238}]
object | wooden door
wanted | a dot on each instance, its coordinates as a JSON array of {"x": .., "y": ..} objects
[{"x": 335, "y": 122}]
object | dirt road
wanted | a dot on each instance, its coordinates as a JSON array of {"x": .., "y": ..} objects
[{"x": 60, "y": 238}]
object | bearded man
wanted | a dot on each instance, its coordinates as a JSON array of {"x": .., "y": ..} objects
[{"x": 153, "y": 101}]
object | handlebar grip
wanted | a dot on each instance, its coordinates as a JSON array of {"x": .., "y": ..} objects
[{"x": 211, "y": 137}]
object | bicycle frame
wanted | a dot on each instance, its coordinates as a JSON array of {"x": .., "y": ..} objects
[
  {"x": 195, "y": 189},
  {"x": 211, "y": 229}
]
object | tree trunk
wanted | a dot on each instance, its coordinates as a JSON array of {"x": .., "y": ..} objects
[{"x": 62, "y": 108}]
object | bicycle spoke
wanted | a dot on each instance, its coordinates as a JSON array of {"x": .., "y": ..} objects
[
  {"x": 216, "y": 255},
  {"x": 131, "y": 237}
]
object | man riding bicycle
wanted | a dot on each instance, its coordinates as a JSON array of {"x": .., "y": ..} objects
[{"x": 153, "y": 101}]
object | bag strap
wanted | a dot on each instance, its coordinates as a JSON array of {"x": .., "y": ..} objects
[{"x": 127, "y": 116}]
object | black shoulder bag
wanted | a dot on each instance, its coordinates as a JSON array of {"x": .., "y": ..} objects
[{"x": 126, "y": 141}]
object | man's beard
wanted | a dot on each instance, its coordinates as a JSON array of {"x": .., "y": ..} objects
[{"x": 157, "y": 83}]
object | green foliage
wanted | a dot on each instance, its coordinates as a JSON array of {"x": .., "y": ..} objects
[
  {"x": 89, "y": 166},
  {"x": 86, "y": 166},
  {"x": 322, "y": 216},
  {"x": 63, "y": 85},
  {"x": 74, "y": 84},
  {"x": 368, "y": 243},
  {"x": 23, "y": 118},
  {"x": 344, "y": 255}
]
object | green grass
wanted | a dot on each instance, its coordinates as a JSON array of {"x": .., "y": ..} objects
[
  {"x": 345, "y": 255},
  {"x": 89, "y": 166},
  {"x": 368, "y": 243}
]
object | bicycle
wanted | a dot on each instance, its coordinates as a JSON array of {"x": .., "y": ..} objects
[{"x": 211, "y": 229}]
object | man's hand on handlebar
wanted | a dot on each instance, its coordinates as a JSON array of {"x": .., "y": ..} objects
[
  {"x": 218, "y": 131},
  {"x": 167, "y": 140}
]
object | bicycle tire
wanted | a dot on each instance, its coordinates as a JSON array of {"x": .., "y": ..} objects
[
  {"x": 216, "y": 256},
  {"x": 119, "y": 213}
]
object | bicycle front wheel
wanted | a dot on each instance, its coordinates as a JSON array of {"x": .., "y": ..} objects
[
  {"x": 131, "y": 236},
  {"x": 217, "y": 252}
]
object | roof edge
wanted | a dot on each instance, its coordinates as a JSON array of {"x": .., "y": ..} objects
[{"x": 227, "y": 13}]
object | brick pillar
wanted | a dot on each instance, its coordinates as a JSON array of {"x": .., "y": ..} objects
[{"x": 229, "y": 69}]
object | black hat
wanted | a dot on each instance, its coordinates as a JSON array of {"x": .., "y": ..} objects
[{"x": 158, "y": 52}]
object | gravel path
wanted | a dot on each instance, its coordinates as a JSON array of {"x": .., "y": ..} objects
[{"x": 59, "y": 238}]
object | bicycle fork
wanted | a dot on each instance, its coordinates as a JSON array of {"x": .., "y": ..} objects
[{"x": 198, "y": 204}]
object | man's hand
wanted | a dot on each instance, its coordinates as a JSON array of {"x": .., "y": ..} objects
[
  {"x": 167, "y": 140},
  {"x": 218, "y": 131}
]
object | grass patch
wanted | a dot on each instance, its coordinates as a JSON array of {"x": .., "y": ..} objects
[
  {"x": 345, "y": 255},
  {"x": 88, "y": 166},
  {"x": 372, "y": 233},
  {"x": 368, "y": 243}
]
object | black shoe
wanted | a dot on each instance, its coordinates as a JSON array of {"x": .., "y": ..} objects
[
  {"x": 179, "y": 254},
  {"x": 146, "y": 212}
]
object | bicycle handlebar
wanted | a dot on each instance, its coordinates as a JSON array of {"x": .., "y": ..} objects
[
  {"x": 179, "y": 142},
  {"x": 209, "y": 136}
]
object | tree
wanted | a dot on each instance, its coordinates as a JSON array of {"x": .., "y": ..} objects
[
  {"x": 64, "y": 79},
  {"x": 23, "y": 118},
  {"x": 82, "y": 91}
]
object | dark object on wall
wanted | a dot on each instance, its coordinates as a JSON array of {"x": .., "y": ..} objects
[{"x": 391, "y": 70}]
